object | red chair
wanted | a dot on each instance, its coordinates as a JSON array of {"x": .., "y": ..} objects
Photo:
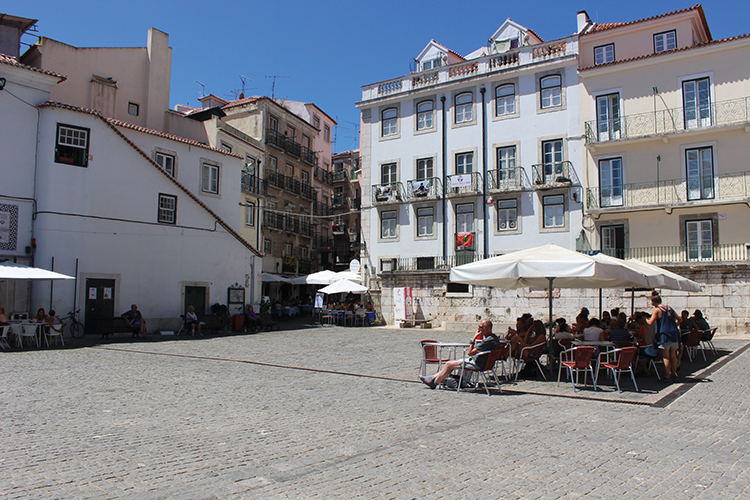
[
  {"x": 527, "y": 355},
  {"x": 707, "y": 341},
  {"x": 693, "y": 343},
  {"x": 489, "y": 366},
  {"x": 623, "y": 361},
  {"x": 430, "y": 355},
  {"x": 575, "y": 360}
]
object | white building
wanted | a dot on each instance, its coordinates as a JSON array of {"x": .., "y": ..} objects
[{"x": 472, "y": 156}]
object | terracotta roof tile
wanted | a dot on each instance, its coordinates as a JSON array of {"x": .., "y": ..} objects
[
  {"x": 449, "y": 50},
  {"x": 11, "y": 61},
  {"x": 598, "y": 28}
]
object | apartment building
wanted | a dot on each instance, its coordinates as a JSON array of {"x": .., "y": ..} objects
[{"x": 345, "y": 203}]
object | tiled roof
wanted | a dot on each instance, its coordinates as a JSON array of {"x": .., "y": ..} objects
[
  {"x": 448, "y": 50},
  {"x": 241, "y": 102},
  {"x": 673, "y": 51},
  {"x": 597, "y": 28},
  {"x": 11, "y": 61},
  {"x": 113, "y": 124}
]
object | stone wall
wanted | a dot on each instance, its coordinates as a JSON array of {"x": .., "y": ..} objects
[{"x": 725, "y": 299}]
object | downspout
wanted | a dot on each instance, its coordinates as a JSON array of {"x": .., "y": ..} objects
[
  {"x": 445, "y": 187},
  {"x": 486, "y": 238}
]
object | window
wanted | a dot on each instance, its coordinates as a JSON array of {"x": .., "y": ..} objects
[
  {"x": 291, "y": 132},
  {"x": 613, "y": 241},
  {"x": 72, "y": 145},
  {"x": 388, "y": 173},
  {"x": 608, "y": 116},
  {"x": 432, "y": 63},
  {"x": 166, "y": 162},
  {"x": 390, "y": 122},
  {"x": 506, "y": 166},
  {"x": 424, "y": 115},
  {"x": 700, "y": 244},
  {"x": 249, "y": 213},
  {"x": 133, "y": 108},
  {"x": 250, "y": 165},
  {"x": 316, "y": 122},
  {"x": 287, "y": 249},
  {"x": 696, "y": 96},
  {"x": 554, "y": 210},
  {"x": 267, "y": 247},
  {"x": 552, "y": 159},
  {"x": 305, "y": 141},
  {"x": 551, "y": 87},
  {"x": 167, "y": 209},
  {"x": 465, "y": 218},
  {"x": 464, "y": 103},
  {"x": 304, "y": 252},
  {"x": 226, "y": 146},
  {"x": 210, "y": 179},
  {"x": 273, "y": 164},
  {"x": 388, "y": 224},
  {"x": 327, "y": 133},
  {"x": 425, "y": 219},
  {"x": 290, "y": 170},
  {"x": 464, "y": 163},
  {"x": 273, "y": 123},
  {"x": 505, "y": 99},
  {"x": 700, "y": 173},
  {"x": 304, "y": 176},
  {"x": 665, "y": 41},
  {"x": 610, "y": 182},
  {"x": 424, "y": 169},
  {"x": 604, "y": 54},
  {"x": 507, "y": 215}
]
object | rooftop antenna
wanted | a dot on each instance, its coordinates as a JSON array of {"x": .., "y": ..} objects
[
  {"x": 273, "y": 85},
  {"x": 203, "y": 87},
  {"x": 240, "y": 94}
]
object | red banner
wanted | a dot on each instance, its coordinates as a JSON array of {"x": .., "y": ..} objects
[{"x": 464, "y": 240}]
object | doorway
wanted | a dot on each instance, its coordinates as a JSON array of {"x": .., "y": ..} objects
[
  {"x": 100, "y": 301},
  {"x": 195, "y": 296}
]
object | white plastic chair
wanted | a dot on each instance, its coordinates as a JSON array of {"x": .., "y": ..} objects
[
  {"x": 359, "y": 317},
  {"x": 54, "y": 333},
  {"x": 4, "y": 334},
  {"x": 28, "y": 330}
]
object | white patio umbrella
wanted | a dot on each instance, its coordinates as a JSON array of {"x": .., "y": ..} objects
[
  {"x": 325, "y": 277},
  {"x": 274, "y": 278},
  {"x": 348, "y": 275},
  {"x": 658, "y": 277},
  {"x": 13, "y": 271},
  {"x": 343, "y": 286},
  {"x": 549, "y": 266}
]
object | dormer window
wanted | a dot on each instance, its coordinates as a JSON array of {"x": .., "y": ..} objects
[
  {"x": 665, "y": 41},
  {"x": 432, "y": 63}
]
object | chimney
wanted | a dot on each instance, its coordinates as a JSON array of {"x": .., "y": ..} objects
[{"x": 583, "y": 21}]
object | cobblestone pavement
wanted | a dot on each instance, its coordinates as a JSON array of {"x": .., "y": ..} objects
[{"x": 334, "y": 412}]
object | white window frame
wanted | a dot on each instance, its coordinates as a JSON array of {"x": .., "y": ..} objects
[
  {"x": 327, "y": 133},
  {"x": 553, "y": 211},
  {"x": 608, "y": 116},
  {"x": 611, "y": 182},
  {"x": 550, "y": 93},
  {"x": 249, "y": 213},
  {"x": 604, "y": 54},
  {"x": 425, "y": 168},
  {"x": 389, "y": 173},
  {"x": 77, "y": 138},
  {"x": 699, "y": 183},
  {"x": 425, "y": 222},
  {"x": 662, "y": 41},
  {"x": 507, "y": 215},
  {"x": 463, "y": 111},
  {"x": 389, "y": 123},
  {"x": 506, "y": 165},
  {"x": 505, "y": 103},
  {"x": 273, "y": 163},
  {"x": 134, "y": 108},
  {"x": 210, "y": 173},
  {"x": 552, "y": 159},
  {"x": 167, "y": 162},
  {"x": 696, "y": 102},
  {"x": 267, "y": 247},
  {"x": 389, "y": 225},
  {"x": 465, "y": 163},
  {"x": 425, "y": 117},
  {"x": 696, "y": 232},
  {"x": 167, "y": 212}
]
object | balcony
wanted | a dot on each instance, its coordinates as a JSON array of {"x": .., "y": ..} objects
[
  {"x": 383, "y": 194},
  {"x": 322, "y": 175},
  {"x": 321, "y": 242},
  {"x": 340, "y": 176},
  {"x": 273, "y": 220},
  {"x": 674, "y": 192},
  {"x": 253, "y": 184},
  {"x": 308, "y": 192},
  {"x": 553, "y": 175},
  {"x": 669, "y": 121},
  {"x": 464, "y": 185},
  {"x": 507, "y": 180},
  {"x": 730, "y": 252},
  {"x": 306, "y": 228},
  {"x": 339, "y": 201},
  {"x": 304, "y": 266},
  {"x": 321, "y": 209},
  {"x": 284, "y": 143},
  {"x": 531, "y": 54},
  {"x": 356, "y": 203},
  {"x": 338, "y": 229},
  {"x": 293, "y": 186},
  {"x": 432, "y": 262},
  {"x": 424, "y": 189},
  {"x": 276, "y": 179},
  {"x": 309, "y": 156}
]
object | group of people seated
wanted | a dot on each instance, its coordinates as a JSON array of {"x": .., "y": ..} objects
[{"x": 50, "y": 322}]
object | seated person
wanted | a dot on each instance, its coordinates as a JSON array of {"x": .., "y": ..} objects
[
  {"x": 619, "y": 333},
  {"x": 370, "y": 307},
  {"x": 483, "y": 332},
  {"x": 702, "y": 324},
  {"x": 55, "y": 323},
  {"x": 606, "y": 318},
  {"x": 41, "y": 317},
  {"x": 686, "y": 324},
  {"x": 594, "y": 331},
  {"x": 562, "y": 330},
  {"x": 253, "y": 320},
  {"x": 136, "y": 321},
  {"x": 191, "y": 320},
  {"x": 536, "y": 335},
  {"x": 523, "y": 323},
  {"x": 3, "y": 317},
  {"x": 582, "y": 322}
]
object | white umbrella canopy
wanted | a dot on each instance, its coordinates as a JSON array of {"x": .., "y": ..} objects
[
  {"x": 658, "y": 277},
  {"x": 348, "y": 275},
  {"x": 274, "y": 278},
  {"x": 325, "y": 277},
  {"x": 13, "y": 271},
  {"x": 343, "y": 286},
  {"x": 547, "y": 266}
]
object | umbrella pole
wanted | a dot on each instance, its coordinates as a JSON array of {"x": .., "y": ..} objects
[
  {"x": 549, "y": 357},
  {"x": 632, "y": 302}
]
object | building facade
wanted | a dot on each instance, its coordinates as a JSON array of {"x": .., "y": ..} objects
[{"x": 345, "y": 203}]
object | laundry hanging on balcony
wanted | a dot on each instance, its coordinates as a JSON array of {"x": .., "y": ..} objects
[{"x": 464, "y": 240}]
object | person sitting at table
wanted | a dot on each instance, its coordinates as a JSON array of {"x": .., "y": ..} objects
[
  {"x": 534, "y": 336},
  {"x": 191, "y": 320},
  {"x": 619, "y": 333},
  {"x": 702, "y": 324},
  {"x": 41, "y": 317},
  {"x": 136, "y": 321},
  {"x": 582, "y": 322},
  {"x": 3, "y": 317},
  {"x": 54, "y": 322},
  {"x": 594, "y": 331},
  {"x": 370, "y": 307},
  {"x": 606, "y": 319},
  {"x": 482, "y": 337},
  {"x": 253, "y": 320},
  {"x": 523, "y": 323},
  {"x": 562, "y": 330}
]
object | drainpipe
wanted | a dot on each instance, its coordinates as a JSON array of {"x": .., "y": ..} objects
[
  {"x": 486, "y": 239},
  {"x": 445, "y": 178}
]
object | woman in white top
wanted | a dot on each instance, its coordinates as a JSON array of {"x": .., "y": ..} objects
[{"x": 594, "y": 332}]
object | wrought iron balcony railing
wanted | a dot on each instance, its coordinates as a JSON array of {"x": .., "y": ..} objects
[
  {"x": 551, "y": 175},
  {"x": 322, "y": 175},
  {"x": 669, "y": 121},
  {"x": 293, "y": 185},
  {"x": 388, "y": 193},
  {"x": 309, "y": 156},
  {"x": 276, "y": 179},
  {"x": 669, "y": 192},
  {"x": 420, "y": 189},
  {"x": 340, "y": 176},
  {"x": 273, "y": 220},
  {"x": 321, "y": 242},
  {"x": 503, "y": 180},
  {"x": 308, "y": 192},
  {"x": 432, "y": 262},
  {"x": 281, "y": 141},
  {"x": 321, "y": 209},
  {"x": 729, "y": 252},
  {"x": 356, "y": 203},
  {"x": 253, "y": 184},
  {"x": 339, "y": 201},
  {"x": 464, "y": 185}
]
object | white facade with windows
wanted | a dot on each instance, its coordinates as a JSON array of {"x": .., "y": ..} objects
[{"x": 472, "y": 156}]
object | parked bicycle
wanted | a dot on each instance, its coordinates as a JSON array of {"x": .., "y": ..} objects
[{"x": 76, "y": 327}]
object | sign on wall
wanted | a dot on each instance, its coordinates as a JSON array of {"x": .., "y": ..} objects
[{"x": 8, "y": 227}]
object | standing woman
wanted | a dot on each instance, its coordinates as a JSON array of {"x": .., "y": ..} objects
[{"x": 667, "y": 334}]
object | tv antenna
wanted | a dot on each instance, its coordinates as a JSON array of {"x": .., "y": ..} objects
[
  {"x": 240, "y": 94},
  {"x": 273, "y": 85},
  {"x": 203, "y": 87}
]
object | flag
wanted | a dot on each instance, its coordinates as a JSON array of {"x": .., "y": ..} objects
[{"x": 464, "y": 240}]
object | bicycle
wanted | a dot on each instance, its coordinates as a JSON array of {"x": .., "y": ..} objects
[{"x": 76, "y": 327}]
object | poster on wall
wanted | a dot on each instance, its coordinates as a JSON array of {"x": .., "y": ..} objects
[
  {"x": 8, "y": 227},
  {"x": 402, "y": 304}
]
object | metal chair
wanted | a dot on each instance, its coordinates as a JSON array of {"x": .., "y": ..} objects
[
  {"x": 527, "y": 355},
  {"x": 430, "y": 355},
  {"x": 577, "y": 359},
  {"x": 623, "y": 362},
  {"x": 489, "y": 366},
  {"x": 693, "y": 343},
  {"x": 707, "y": 341}
]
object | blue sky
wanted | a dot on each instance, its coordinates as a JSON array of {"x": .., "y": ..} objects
[{"x": 325, "y": 50}]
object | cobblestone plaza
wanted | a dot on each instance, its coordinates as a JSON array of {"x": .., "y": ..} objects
[{"x": 336, "y": 412}]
